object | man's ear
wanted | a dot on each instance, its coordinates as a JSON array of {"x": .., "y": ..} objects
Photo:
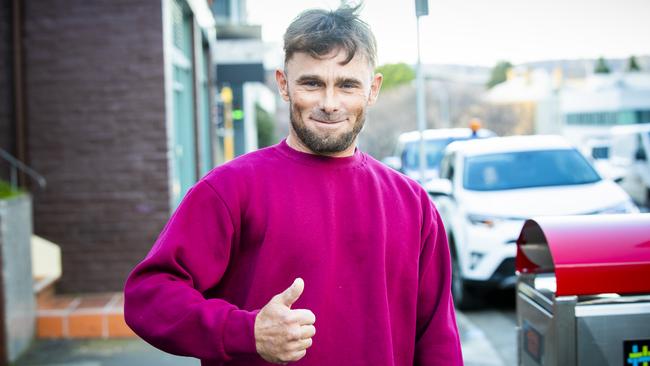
[
  {"x": 283, "y": 86},
  {"x": 374, "y": 88}
]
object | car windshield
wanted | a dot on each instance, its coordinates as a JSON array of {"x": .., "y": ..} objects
[
  {"x": 433, "y": 150},
  {"x": 525, "y": 169}
]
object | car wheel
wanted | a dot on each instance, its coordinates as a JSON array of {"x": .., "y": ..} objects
[{"x": 464, "y": 297}]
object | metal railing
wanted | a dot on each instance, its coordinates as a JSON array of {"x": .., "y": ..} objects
[{"x": 19, "y": 165}]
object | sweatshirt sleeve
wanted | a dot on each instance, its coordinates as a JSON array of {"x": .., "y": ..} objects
[
  {"x": 164, "y": 302},
  {"x": 437, "y": 340}
]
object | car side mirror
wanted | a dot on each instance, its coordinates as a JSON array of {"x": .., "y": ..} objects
[
  {"x": 393, "y": 162},
  {"x": 439, "y": 187}
]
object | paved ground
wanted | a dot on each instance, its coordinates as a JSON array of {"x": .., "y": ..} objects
[
  {"x": 497, "y": 321},
  {"x": 129, "y": 352},
  {"x": 477, "y": 351}
]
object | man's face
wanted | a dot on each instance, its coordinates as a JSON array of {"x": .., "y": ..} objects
[{"x": 328, "y": 100}]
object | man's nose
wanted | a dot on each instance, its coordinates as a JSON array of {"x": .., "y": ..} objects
[{"x": 330, "y": 101}]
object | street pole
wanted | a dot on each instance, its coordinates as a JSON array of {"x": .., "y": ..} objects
[{"x": 421, "y": 8}]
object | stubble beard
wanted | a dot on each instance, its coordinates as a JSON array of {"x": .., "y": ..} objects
[{"x": 322, "y": 142}]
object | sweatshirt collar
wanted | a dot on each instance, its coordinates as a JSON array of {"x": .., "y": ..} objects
[{"x": 320, "y": 160}]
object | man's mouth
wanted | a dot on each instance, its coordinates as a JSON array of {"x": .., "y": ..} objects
[{"x": 327, "y": 121}]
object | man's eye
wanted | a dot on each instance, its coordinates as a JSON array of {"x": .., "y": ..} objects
[
  {"x": 311, "y": 83},
  {"x": 348, "y": 85}
]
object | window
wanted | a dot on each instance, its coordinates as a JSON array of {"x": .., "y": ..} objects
[
  {"x": 527, "y": 169},
  {"x": 600, "y": 152},
  {"x": 447, "y": 167},
  {"x": 642, "y": 116},
  {"x": 221, "y": 8},
  {"x": 433, "y": 150}
]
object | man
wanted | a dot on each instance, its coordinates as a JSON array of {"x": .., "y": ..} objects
[{"x": 310, "y": 250}]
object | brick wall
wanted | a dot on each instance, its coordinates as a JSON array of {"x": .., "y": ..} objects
[
  {"x": 95, "y": 91},
  {"x": 6, "y": 85}
]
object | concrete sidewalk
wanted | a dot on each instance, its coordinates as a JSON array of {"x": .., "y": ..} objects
[
  {"x": 111, "y": 352},
  {"x": 477, "y": 351}
]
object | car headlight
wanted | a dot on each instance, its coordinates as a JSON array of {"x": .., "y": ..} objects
[
  {"x": 489, "y": 221},
  {"x": 480, "y": 220},
  {"x": 623, "y": 207}
]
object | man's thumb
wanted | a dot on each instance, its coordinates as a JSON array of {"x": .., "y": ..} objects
[{"x": 290, "y": 295}]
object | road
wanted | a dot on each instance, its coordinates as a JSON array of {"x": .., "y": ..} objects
[{"x": 497, "y": 321}]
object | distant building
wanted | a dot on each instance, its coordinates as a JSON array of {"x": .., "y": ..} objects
[
  {"x": 118, "y": 116},
  {"x": 534, "y": 92},
  {"x": 579, "y": 109},
  {"x": 240, "y": 57},
  {"x": 601, "y": 101}
]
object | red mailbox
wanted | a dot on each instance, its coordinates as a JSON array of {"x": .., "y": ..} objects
[
  {"x": 583, "y": 290},
  {"x": 589, "y": 255}
]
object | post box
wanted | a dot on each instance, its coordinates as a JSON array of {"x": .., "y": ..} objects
[{"x": 583, "y": 290}]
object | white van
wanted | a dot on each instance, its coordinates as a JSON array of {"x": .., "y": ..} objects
[
  {"x": 406, "y": 156},
  {"x": 629, "y": 157}
]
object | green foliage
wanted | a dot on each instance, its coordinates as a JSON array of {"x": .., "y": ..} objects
[
  {"x": 601, "y": 66},
  {"x": 633, "y": 65},
  {"x": 265, "y": 127},
  {"x": 7, "y": 191},
  {"x": 499, "y": 73},
  {"x": 396, "y": 74}
]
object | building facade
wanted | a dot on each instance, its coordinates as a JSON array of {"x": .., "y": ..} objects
[
  {"x": 119, "y": 114},
  {"x": 240, "y": 68},
  {"x": 591, "y": 108},
  {"x": 581, "y": 109}
]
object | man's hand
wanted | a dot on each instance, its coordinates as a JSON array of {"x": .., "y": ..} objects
[{"x": 283, "y": 335}]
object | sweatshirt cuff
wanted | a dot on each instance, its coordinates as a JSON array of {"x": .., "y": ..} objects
[{"x": 239, "y": 333}]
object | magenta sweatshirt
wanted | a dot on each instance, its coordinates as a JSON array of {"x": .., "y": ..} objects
[{"x": 367, "y": 241}]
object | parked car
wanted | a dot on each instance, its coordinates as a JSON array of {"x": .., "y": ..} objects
[
  {"x": 406, "y": 156},
  {"x": 486, "y": 190},
  {"x": 629, "y": 158}
]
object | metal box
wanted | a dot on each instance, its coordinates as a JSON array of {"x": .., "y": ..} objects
[{"x": 583, "y": 290}]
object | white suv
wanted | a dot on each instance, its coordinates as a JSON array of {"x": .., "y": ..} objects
[{"x": 487, "y": 188}]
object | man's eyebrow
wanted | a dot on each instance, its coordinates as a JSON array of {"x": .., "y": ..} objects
[
  {"x": 309, "y": 77},
  {"x": 348, "y": 80},
  {"x": 339, "y": 80}
]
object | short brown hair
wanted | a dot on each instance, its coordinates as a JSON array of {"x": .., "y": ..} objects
[{"x": 317, "y": 32}]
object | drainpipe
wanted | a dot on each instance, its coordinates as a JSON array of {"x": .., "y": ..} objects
[{"x": 19, "y": 90}]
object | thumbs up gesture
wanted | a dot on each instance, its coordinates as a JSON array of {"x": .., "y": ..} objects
[{"x": 283, "y": 335}]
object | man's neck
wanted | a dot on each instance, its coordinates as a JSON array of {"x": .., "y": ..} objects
[{"x": 295, "y": 143}]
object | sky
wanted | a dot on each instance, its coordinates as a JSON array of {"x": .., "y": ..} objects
[{"x": 483, "y": 32}]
